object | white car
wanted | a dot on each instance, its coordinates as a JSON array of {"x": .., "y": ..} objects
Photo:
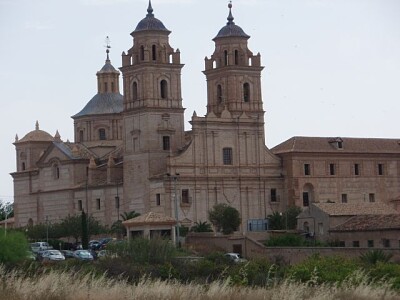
[
  {"x": 235, "y": 257},
  {"x": 83, "y": 255},
  {"x": 53, "y": 255}
]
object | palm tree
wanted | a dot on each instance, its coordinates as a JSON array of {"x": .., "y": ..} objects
[
  {"x": 201, "y": 227},
  {"x": 129, "y": 215}
]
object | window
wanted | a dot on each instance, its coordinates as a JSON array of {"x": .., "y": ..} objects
[
  {"x": 102, "y": 134},
  {"x": 154, "y": 52},
  {"x": 105, "y": 87},
  {"x": 164, "y": 89},
  {"x": 246, "y": 92},
  {"x": 141, "y": 52},
  {"x": 380, "y": 169},
  {"x": 227, "y": 156},
  {"x": 306, "y": 200},
  {"x": 219, "y": 93},
  {"x": 185, "y": 196},
  {"x": 158, "y": 199},
  {"x": 225, "y": 58},
  {"x": 80, "y": 205},
  {"x": 23, "y": 166},
  {"x": 236, "y": 57},
  {"x": 117, "y": 202},
  {"x": 386, "y": 243},
  {"x": 307, "y": 169},
  {"x": 356, "y": 244},
  {"x": 273, "y": 195},
  {"x": 356, "y": 169},
  {"x": 342, "y": 244},
  {"x": 344, "y": 198},
  {"x": 331, "y": 169},
  {"x": 56, "y": 171},
  {"x": 166, "y": 143},
  {"x": 340, "y": 144},
  {"x": 370, "y": 243},
  {"x": 81, "y": 136},
  {"x": 257, "y": 224},
  {"x": 134, "y": 91},
  {"x": 112, "y": 87},
  {"x": 321, "y": 228},
  {"x": 371, "y": 197},
  {"x": 98, "y": 203}
]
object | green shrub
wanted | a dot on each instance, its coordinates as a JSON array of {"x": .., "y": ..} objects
[
  {"x": 374, "y": 256},
  {"x": 286, "y": 240},
  {"x": 13, "y": 247}
]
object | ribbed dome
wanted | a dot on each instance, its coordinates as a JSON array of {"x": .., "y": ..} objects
[
  {"x": 104, "y": 103},
  {"x": 108, "y": 68},
  {"x": 230, "y": 29},
  {"x": 37, "y": 135},
  {"x": 150, "y": 22}
]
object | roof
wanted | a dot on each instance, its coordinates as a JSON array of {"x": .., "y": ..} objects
[
  {"x": 370, "y": 223},
  {"x": 36, "y": 135},
  {"x": 102, "y": 103},
  {"x": 330, "y": 145},
  {"x": 150, "y": 22},
  {"x": 352, "y": 209},
  {"x": 231, "y": 29},
  {"x": 108, "y": 67},
  {"x": 150, "y": 218}
]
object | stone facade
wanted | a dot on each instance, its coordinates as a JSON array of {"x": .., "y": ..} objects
[{"x": 131, "y": 152}]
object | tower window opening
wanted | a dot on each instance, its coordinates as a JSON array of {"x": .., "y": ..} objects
[
  {"x": 102, "y": 134},
  {"x": 154, "y": 52},
  {"x": 219, "y": 93},
  {"x": 164, "y": 89},
  {"x": 23, "y": 166},
  {"x": 134, "y": 91},
  {"x": 246, "y": 92},
  {"x": 227, "y": 156},
  {"x": 112, "y": 87},
  {"x": 225, "y": 57},
  {"x": 166, "y": 143},
  {"x": 141, "y": 53},
  {"x": 81, "y": 136},
  {"x": 236, "y": 57},
  {"x": 105, "y": 87}
]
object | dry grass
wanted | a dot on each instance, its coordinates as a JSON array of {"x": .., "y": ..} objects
[{"x": 64, "y": 285}]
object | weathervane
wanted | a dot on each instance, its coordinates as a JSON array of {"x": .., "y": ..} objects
[{"x": 108, "y": 46}]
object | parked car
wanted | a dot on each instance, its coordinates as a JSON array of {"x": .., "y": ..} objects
[
  {"x": 94, "y": 244},
  {"x": 68, "y": 253},
  {"x": 83, "y": 255},
  {"x": 53, "y": 255},
  {"x": 235, "y": 257},
  {"x": 40, "y": 246},
  {"x": 30, "y": 255}
]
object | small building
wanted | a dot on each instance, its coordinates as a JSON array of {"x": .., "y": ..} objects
[{"x": 320, "y": 220}]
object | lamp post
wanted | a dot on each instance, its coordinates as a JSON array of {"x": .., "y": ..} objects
[
  {"x": 117, "y": 203},
  {"x": 175, "y": 179},
  {"x": 47, "y": 229}
]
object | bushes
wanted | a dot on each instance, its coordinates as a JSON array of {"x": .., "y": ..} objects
[{"x": 13, "y": 247}]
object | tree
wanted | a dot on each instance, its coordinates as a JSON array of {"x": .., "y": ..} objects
[
  {"x": 6, "y": 210},
  {"x": 225, "y": 218},
  {"x": 285, "y": 220},
  {"x": 129, "y": 215},
  {"x": 85, "y": 231},
  {"x": 275, "y": 221},
  {"x": 13, "y": 247},
  {"x": 201, "y": 227}
]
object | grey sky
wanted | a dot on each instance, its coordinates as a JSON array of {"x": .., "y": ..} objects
[{"x": 332, "y": 67}]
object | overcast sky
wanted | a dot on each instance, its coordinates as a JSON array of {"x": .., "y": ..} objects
[{"x": 332, "y": 67}]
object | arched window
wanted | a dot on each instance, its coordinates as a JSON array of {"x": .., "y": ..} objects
[
  {"x": 154, "y": 52},
  {"x": 219, "y": 93},
  {"x": 225, "y": 57},
  {"x": 56, "y": 171},
  {"x": 164, "y": 89},
  {"x": 134, "y": 91},
  {"x": 142, "y": 53},
  {"x": 236, "y": 57},
  {"x": 105, "y": 87},
  {"x": 246, "y": 92},
  {"x": 112, "y": 87},
  {"x": 102, "y": 134}
]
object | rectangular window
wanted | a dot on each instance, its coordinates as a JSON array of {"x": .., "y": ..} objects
[
  {"x": 344, "y": 198},
  {"x": 331, "y": 169},
  {"x": 306, "y": 200},
  {"x": 81, "y": 136},
  {"x": 102, "y": 134},
  {"x": 370, "y": 243},
  {"x": 356, "y": 244},
  {"x": 273, "y": 195},
  {"x": 158, "y": 199},
  {"x": 80, "y": 205},
  {"x": 356, "y": 169},
  {"x": 380, "y": 169},
  {"x": 386, "y": 243},
  {"x": 166, "y": 144},
  {"x": 117, "y": 202},
  {"x": 371, "y": 197},
  {"x": 98, "y": 203},
  {"x": 185, "y": 196},
  {"x": 307, "y": 169},
  {"x": 227, "y": 156}
]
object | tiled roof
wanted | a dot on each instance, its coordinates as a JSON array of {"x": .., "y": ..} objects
[
  {"x": 150, "y": 218},
  {"x": 352, "y": 209},
  {"x": 102, "y": 103},
  {"x": 36, "y": 136},
  {"x": 370, "y": 223},
  {"x": 329, "y": 145}
]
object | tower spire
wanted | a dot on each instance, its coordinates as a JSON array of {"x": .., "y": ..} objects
[
  {"x": 37, "y": 125},
  {"x": 108, "y": 46},
  {"x": 230, "y": 16},
  {"x": 150, "y": 10}
]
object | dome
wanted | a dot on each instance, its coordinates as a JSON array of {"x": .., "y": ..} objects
[
  {"x": 150, "y": 22},
  {"x": 108, "y": 68},
  {"x": 231, "y": 29},
  {"x": 37, "y": 135},
  {"x": 102, "y": 103}
]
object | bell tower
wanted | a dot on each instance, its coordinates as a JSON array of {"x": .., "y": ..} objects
[
  {"x": 233, "y": 74},
  {"x": 153, "y": 115}
]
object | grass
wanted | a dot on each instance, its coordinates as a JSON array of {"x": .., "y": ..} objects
[{"x": 57, "y": 285}]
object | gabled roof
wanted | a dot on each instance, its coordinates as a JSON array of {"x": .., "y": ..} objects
[
  {"x": 150, "y": 218},
  {"x": 352, "y": 209},
  {"x": 329, "y": 145},
  {"x": 370, "y": 223}
]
